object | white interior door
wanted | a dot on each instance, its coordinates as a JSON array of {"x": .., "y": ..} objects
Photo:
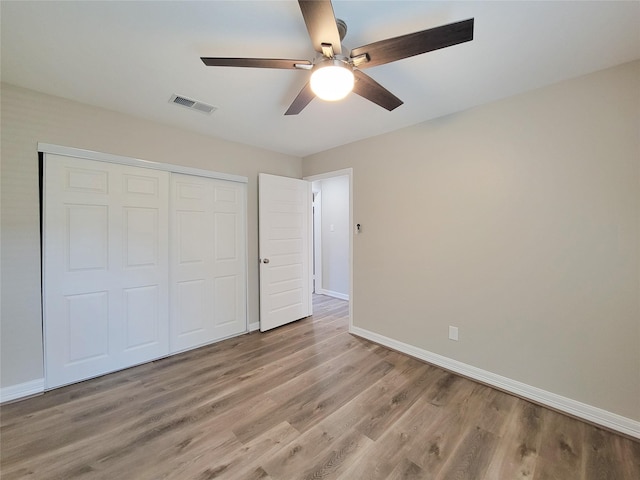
[
  {"x": 285, "y": 250},
  {"x": 208, "y": 260},
  {"x": 105, "y": 267}
]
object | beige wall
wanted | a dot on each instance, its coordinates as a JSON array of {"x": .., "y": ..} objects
[
  {"x": 517, "y": 222},
  {"x": 28, "y": 118}
]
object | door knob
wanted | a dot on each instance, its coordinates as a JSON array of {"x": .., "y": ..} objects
[{"x": 266, "y": 260}]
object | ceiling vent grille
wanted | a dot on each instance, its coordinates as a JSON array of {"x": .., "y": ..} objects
[{"x": 192, "y": 104}]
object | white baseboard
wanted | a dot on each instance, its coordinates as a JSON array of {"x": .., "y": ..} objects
[
  {"x": 254, "y": 326},
  {"x": 27, "y": 389},
  {"x": 572, "y": 407},
  {"x": 331, "y": 293}
]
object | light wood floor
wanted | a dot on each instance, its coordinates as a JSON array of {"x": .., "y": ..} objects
[{"x": 305, "y": 401}]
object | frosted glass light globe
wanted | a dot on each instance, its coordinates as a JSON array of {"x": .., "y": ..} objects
[{"x": 333, "y": 81}]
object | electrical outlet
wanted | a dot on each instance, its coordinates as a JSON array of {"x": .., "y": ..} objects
[{"x": 453, "y": 333}]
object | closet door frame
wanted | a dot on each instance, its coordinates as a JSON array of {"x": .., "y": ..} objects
[
  {"x": 46, "y": 148},
  {"x": 136, "y": 162}
]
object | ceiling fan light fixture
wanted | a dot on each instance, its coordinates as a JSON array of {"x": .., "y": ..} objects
[{"x": 332, "y": 80}]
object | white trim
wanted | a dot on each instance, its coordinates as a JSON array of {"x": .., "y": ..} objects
[
  {"x": 21, "y": 390},
  {"x": 317, "y": 240},
  {"x": 310, "y": 248},
  {"x": 323, "y": 176},
  {"x": 331, "y": 293},
  {"x": 575, "y": 408},
  {"x": 246, "y": 262},
  {"x": 352, "y": 224},
  {"x": 136, "y": 162},
  {"x": 254, "y": 326}
]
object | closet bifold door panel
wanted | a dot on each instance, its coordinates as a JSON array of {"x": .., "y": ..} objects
[
  {"x": 208, "y": 264},
  {"x": 105, "y": 267}
]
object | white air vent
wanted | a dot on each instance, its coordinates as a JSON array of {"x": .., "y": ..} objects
[{"x": 192, "y": 104}]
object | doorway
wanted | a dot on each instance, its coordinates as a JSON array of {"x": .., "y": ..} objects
[
  {"x": 332, "y": 234},
  {"x": 299, "y": 290}
]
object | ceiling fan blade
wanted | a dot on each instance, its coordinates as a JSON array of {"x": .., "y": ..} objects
[
  {"x": 321, "y": 24},
  {"x": 301, "y": 101},
  {"x": 368, "y": 88},
  {"x": 254, "y": 62},
  {"x": 405, "y": 46}
]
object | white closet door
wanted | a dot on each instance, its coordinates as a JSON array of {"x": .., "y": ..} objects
[
  {"x": 105, "y": 267},
  {"x": 208, "y": 266}
]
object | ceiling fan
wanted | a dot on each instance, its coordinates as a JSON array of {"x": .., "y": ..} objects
[{"x": 334, "y": 74}]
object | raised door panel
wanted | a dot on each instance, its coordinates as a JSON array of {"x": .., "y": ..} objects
[
  {"x": 85, "y": 328},
  {"x": 87, "y": 229},
  {"x": 141, "y": 228},
  {"x": 191, "y": 310},
  {"x": 191, "y": 227},
  {"x": 142, "y": 317}
]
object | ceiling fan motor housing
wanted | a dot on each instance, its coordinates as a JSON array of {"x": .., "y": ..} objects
[{"x": 342, "y": 28}]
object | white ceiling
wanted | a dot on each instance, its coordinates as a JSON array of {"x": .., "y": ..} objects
[{"x": 132, "y": 56}]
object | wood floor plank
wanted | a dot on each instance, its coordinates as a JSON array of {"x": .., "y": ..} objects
[
  {"x": 302, "y": 392},
  {"x": 243, "y": 462},
  {"x": 319, "y": 439},
  {"x": 333, "y": 397},
  {"x": 561, "y": 452},
  {"x": 629, "y": 455},
  {"x": 440, "y": 433},
  {"x": 396, "y": 401},
  {"x": 317, "y": 453},
  {"x": 302, "y": 452},
  {"x": 391, "y": 448},
  {"x": 603, "y": 459},
  {"x": 306, "y": 400},
  {"x": 517, "y": 451},
  {"x": 496, "y": 410},
  {"x": 407, "y": 470},
  {"x": 191, "y": 457},
  {"x": 342, "y": 365},
  {"x": 472, "y": 456},
  {"x": 345, "y": 450}
]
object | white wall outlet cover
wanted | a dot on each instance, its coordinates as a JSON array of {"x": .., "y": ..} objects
[{"x": 453, "y": 333}]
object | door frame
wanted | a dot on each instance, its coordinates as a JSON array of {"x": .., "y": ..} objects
[
  {"x": 317, "y": 237},
  {"x": 341, "y": 173}
]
